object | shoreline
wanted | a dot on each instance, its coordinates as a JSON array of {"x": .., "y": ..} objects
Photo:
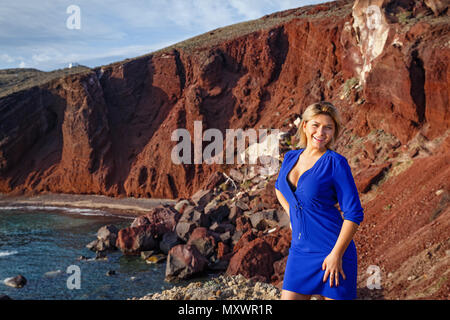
[{"x": 129, "y": 207}]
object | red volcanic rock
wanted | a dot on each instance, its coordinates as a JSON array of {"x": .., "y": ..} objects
[
  {"x": 203, "y": 239},
  {"x": 370, "y": 176},
  {"x": 133, "y": 240},
  {"x": 278, "y": 267},
  {"x": 183, "y": 262},
  {"x": 255, "y": 259},
  {"x": 159, "y": 220}
]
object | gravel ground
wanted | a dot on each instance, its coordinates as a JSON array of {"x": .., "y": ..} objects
[{"x": 219, "y": 288}]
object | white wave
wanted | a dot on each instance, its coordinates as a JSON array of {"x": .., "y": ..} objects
[
  {"x": 7, "y": 253},
  {"x": 80, "y": 211}
]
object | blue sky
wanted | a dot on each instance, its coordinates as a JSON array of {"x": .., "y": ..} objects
[{"x": 34, "y": 34}]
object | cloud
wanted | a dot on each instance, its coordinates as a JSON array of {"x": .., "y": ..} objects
[{"x": 37, "y": 31}]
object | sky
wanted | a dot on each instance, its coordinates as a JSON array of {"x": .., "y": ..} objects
[{"x": 48, "y": 35}]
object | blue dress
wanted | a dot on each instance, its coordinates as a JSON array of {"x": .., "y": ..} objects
[{"x": 316, "y": 223}]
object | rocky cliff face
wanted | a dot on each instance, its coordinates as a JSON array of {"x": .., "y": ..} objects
[{"x": 384, "y": 64}]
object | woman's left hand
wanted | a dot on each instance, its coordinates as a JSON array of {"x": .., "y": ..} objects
[{"x": 333, "y": 266}]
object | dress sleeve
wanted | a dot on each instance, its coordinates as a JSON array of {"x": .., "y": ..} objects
[
  {"x": 347, "y": 193},
  {"x": 286, "y": 156}
]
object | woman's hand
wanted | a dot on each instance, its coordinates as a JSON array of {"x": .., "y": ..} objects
[{"x": 333, "y": 266}]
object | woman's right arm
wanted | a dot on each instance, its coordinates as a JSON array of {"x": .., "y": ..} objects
[{"x": 283, "y": 203}]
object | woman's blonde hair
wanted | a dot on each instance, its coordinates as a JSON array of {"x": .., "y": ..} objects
[{"x": 322, "y": 107}]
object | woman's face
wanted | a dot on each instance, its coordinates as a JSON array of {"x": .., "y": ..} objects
[{"x": 319, "y": 131}]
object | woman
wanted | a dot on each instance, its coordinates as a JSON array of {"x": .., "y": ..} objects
[{"x": 322, "y": 258}]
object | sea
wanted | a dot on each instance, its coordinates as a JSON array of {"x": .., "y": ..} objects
[{"x": 44, "y": 245}]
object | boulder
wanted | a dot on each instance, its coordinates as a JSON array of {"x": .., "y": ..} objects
[
  {"x": 279, "y": 240},
  {"x": 183, "y": 262},
  {"x": 106, "y": 239},
  {"x": 162, "y": 219},
  {"x": 203, "y": 240},
  {"x": 133, "y": 240},
  {"x": 255, "y": 259},
  {"x": 169, "y": 240},
  {"x": 214, "y": 181},
  {"x": 202, "y": 197},
  {"x": 16, "y": 282},
  {"x": 371, "y": 176},
  {"x": 184, "y": 229},
  {"x": 217, "y": 213},
  {"x": 235, "y": 212},
  {"x": 279, "y": 267},
  {"x": 264, "y": 219},
  {"x": 180, "y": 206},
  {"x": 155, "y": 259}
]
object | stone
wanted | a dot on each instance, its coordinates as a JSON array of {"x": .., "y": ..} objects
[
  {"x": 156, "y": 258},
  {"x": 133, "y": 240},
  {"x": 106, "y": 239},
  {"x": 202, "y": 197},
  {"x": 265, "y": 219},
  {"x": 181, "y": 205},
  {"x": 217, "y": 213},
  {"x": 183, "y": 262},
  {"x": 169, "y": 240},
  {"x": 203, "y": 240},
  {"x": 162, "y": 219},
  {"x": 254, "y": 260},
  {"x": 368, "y": 177},
  {"x": 184, "y": 229},
  {"x": 147, "y": 254},
  {"x": 18, "y": 281}
]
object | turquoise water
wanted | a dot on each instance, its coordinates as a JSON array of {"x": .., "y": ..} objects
[{"x": 38, "y": 241}]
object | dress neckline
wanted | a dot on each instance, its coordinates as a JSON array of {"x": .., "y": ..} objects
[{"x": 291, "y": 186}]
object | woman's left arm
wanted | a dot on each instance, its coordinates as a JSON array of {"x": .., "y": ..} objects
[
  {"x": 333, "y": 262},
  {"x": 353, "y": 213}
]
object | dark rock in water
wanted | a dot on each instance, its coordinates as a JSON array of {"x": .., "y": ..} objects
[
  {"x": 16, "y": 282},
  {"x": 100, "y": 256},
  {"x": 110, "y": 273},
  {"x": 81, "y": 258},
  {"x": 4, "y": 297},
  {"x": 183, "y": 262},
  {"x": 106, "y": 239},
  {"x": 133, "y": 240}
]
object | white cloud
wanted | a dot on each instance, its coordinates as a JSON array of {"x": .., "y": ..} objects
[
  {"x": 6, "y": 58},
  {"x": 37, "y": 32}
]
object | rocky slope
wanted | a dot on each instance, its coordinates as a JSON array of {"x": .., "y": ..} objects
[{"x": 384, "y": 64}]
